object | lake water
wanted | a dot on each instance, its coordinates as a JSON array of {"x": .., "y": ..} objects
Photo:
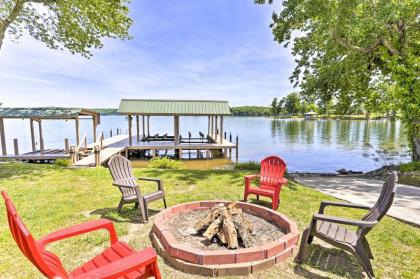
[{"x": 306, "y": 146}]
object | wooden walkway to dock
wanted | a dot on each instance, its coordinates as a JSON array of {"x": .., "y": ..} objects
[
  {"x": 104, "y": 156},
  {"x": 106, "y": 153},
  {"x": 121, "y": 143}
]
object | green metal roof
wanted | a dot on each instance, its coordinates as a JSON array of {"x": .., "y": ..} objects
[
  {"x": 173, "y": 107},
  {"x": 43, "y": 112}
]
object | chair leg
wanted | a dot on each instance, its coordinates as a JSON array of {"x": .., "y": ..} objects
[
  {"x": 142, "y": 210},
  {"x": 367, "y": 248},
  {"x": 303, "y": 242},
  {"x": 156, "y": 270},
  {"x": 245, "y": 196},
  {"x": 136, "y": 205},
  {"x": 120, "y": 205},
  {"x": 258, "y": 197},
  {"x": 145, "y": 212},
  {"x": 364, "y": 261},
  {"x": 164, "y": 202}
]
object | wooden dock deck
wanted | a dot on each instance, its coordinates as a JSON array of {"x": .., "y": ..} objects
[
  {"x": 104, "y": 156},
  {"x": 110, "y": 141},
  {"x": 48, "y": 154},
  {"x": 121, "y": 143}
]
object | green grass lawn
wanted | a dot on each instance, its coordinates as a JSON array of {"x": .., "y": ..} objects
[{"x": 49, "y": 197}]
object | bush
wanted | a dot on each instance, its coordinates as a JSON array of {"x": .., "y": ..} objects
[
  {"x": 62, "y": 162},
  {"x": 408, "y": 167},
  {"x": 251, "y": 165},
  {"x": 165, "y": 163}
]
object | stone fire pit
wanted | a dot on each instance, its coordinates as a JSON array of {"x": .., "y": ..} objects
[{"x": 275, "y": 239}]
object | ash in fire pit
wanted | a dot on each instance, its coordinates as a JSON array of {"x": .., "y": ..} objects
[{"x": 223, "y": 227}]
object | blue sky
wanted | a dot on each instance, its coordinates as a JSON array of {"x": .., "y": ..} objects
[{"x": 182, "y": 49}]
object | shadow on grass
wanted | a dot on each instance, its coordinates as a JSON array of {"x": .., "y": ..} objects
[
  {"x": 195, "y": 176},
  {"x": 127, "y": 214},
  {"x": 329, "y": 260}
]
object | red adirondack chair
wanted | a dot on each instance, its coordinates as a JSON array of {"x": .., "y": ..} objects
[
  {"x": 271, "y": 180},
  {"x": 118, "y": 261}
]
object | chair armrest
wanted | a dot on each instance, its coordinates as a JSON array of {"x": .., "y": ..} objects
[
  {"x": 344, "y": 221},
  {"x": 81, "y": 229},
  {"x": 159, "y": 181},
  {"x": 340, "y": 204},
  {"x": 251, "y": 176},
  {"x": 283, "y": 181},
  {"x": 149, "y": 179},
  {"x": 124, "y": 266}
]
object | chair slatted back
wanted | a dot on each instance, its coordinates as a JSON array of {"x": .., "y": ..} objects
[
  {"x": 384, "y": 202},
  {"x": 48, "y": 263},
  {"x": 272, "y": 169},
  {"x": 121, "y": 171}
]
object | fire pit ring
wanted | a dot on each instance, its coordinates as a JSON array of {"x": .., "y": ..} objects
[{"x": 242, "y": 261}]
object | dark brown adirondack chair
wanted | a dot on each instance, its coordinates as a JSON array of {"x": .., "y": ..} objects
[
  {"x": 121, "y": 171},
  {"x": 328, "y": 227}
]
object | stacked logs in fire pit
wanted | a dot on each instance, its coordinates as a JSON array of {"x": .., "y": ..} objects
[{"x": 227, "y": 223}]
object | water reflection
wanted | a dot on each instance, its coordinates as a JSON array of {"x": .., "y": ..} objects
[{"x": 307, "y": 146}]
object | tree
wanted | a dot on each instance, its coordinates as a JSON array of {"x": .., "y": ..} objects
[
  {"x": 274, "y": 107},
  {"x": 75, "y": 25},
  {"x": 292, "y": 103},
  {"x": 342, "y": 47}
]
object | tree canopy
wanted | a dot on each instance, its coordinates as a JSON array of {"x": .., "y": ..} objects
[
  {"x": 352, "y": 50},
  {"x": 75, "y": 25}
]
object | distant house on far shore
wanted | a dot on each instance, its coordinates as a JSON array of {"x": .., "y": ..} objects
[{"x": 311, "y": 115}]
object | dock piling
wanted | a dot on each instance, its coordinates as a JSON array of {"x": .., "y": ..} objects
[
  {"x": 16, "y": 145},
  {"x": 66, "y": 145},
  {"x": 237, "y": 148}
]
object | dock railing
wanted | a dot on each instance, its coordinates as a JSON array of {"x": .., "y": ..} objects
[
  {"x": 97, "y": 147},
  {"x": 76, "y": 152}
]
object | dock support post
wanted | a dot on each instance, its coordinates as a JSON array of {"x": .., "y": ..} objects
[
  {"x": 94, "y": 128},
  {"x": 97, "y": 156},
  {"x": 212, "y": 125},
  {"x": 110, "y": 133},
  {"x": 2, "y": 138},
  {"x": 73, "y": 154},
  {"x": 130, "y": 140},
  {"x": 77, "y": 130},
  {"x": 221, "y": 130},
  {"x": 230, "y": 149},
  {"x": 41, "y": 138},
  {"x": 144, "y": 129},
  {"x": 225, "y": 150},
  {"x": 176, "y": 130},
  {"x": 215, "y": 127},
  {"x": 138, "y": 127},
  {"x": 66, "y": 145},
  {"x": 148, "y": 125},
  {"x": 207, "y": 154},
  {"x": 31, "y": 121},
  {"x": 237, "y": 149},
  {"x": 102, "y": 141},
  {"x": 16, "y": 146},
  {"x": 208, "y": 125},
  {"x": 180, "y": 153}
]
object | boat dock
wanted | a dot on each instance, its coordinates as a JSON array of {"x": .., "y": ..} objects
[{"x": 121, "y": 145}]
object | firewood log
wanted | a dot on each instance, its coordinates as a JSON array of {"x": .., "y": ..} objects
[
  {"x": 229, "y": 231},
  {"x": 214, "y": 213}
]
